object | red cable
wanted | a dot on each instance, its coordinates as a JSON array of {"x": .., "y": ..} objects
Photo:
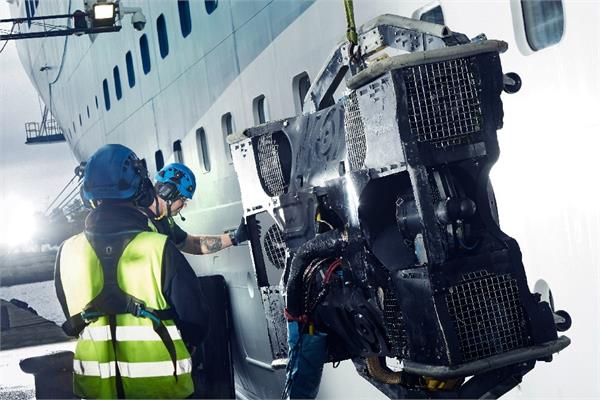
[
  {"x": 336, "y": 263},
  {"x": 290, "y": 317}
]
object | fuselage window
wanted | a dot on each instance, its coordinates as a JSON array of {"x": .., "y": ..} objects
[
  {"x": 202, "y": 147},
  {"x": 117, "y": 77},
  {"x": 544, "y": 22},
  {"x": 88, "y": 111},
  {"x": 211, "y": 5},
  {"x": 80, "y": 123},
  {"x": 130, "y": 70},
  {"x": 434, "y": 15},
  {"x": 145, "y": 53},
  {"x": 28, "y": 12},
  {"x": 159, "y": 160},
  {"x": 96, "y": 99},
  {"x": 185, "y": 19},
  {"x": 227, "y": 127},
  {"x": 163, "y": 39},
  {"x": 106, "y": 94},
  {"x": 300, "y": 85},
  {"x": 259, "y": 109},
  {"x": 177, "y": 151},
  {"x": 74, "y": 129},
  {"x": 30, "y": 6}
]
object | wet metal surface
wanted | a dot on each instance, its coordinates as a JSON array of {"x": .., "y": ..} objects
[{"x": 16, "y": 384}]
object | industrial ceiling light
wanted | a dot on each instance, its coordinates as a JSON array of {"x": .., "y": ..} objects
[{"x": 104, "y": 14}]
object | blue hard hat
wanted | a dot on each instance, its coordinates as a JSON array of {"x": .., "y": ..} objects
[
  {"x": 113, "y": 172},
  {"x": 179, "y": 175}
]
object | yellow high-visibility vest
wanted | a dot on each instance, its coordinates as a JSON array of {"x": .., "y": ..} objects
[{"x": 144, "y": 364}]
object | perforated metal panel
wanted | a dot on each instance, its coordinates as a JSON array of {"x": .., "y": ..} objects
[
  {"x": 355, "y": 133},
  {"x": 394, "y": 324},
  {"x": 274, "y": 246},
  {"x": 443, "y": 103},
  {"x": 273, "y": 303},
  {"x": 487, "y": 315},
  {"x": 270, "y": 166}
]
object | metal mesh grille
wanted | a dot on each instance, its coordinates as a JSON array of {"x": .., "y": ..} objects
[
  {"x": 355, "y": 133},
  {"x": 274, "y": 246},
  {"x": 487, "y": 315},
  {"x": 270, "y": 166},
  {"x": 394, "y": 324},
  {"x": 443, "y": 103}
]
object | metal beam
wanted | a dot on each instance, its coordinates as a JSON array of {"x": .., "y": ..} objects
[
  {"x": 21, "y": 20},
  {"x": 63, "y": 32}
]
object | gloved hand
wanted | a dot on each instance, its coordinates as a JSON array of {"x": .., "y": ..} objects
[{"x": 241, "y": 234}]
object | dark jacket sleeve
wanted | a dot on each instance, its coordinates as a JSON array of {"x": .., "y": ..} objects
[
  {"x": 178, "y": 235},
  {"x": 182, "y": 290}
]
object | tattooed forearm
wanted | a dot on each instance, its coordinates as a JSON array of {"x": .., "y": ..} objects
[
  {"x": 205, "y": 244},
  {"x": 209, "y": 244}
]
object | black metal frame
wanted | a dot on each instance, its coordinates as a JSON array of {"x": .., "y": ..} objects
[
  {"x": 78, "y": 30},
  {"x": 415, "y": 186}
]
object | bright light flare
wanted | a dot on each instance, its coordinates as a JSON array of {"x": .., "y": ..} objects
[
  {"x": 19, "y": 223},
  {"x": 104, "y": 11}
]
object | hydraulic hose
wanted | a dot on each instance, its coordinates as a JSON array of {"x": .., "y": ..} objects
[
  {"x": 382, "y": 375},
  {"x": 328, "y": 244}
]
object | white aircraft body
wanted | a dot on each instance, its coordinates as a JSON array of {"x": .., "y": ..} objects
[{"x": 175, "y": 98}]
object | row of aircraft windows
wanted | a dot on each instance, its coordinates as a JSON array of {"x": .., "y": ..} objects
[
  {"x": 163, "y": 45},
  {"x": 301, "y": 84},
  {"x": 543, "y": 22},
  {"x": 30, "y": 9}
]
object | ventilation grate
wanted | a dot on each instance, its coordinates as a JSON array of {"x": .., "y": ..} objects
[
  {"x": 394, "y": 324},
  {"x": 270, "y": 165},
  {"x": 443, "y": 103},
  {"x": 487, "y": 315},
  {"x": 355, "y": 133},
  {"x": 274, "y": 246}
]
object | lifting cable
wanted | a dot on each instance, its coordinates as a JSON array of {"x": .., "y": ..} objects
[{"x": 351, "y": 34}]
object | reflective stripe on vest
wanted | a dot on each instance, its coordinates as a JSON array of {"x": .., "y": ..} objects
[
  {"x": 127, "y": 333},
  {"x": 131, "y": 370},
  {"x": 144, "y": 363}
]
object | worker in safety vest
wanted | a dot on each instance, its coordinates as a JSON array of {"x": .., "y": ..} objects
[
  {"x": 175, "y": 186},
  {"x": 126, "y": 291}
]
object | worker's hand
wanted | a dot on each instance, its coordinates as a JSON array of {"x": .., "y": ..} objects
[{"x": 241, "y": 234}]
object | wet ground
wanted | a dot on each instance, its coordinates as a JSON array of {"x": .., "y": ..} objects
[
  {"x": 40, "y": 296},
  {"x": 14, "y": 383}
]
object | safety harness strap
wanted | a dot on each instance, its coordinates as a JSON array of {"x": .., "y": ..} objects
[
  {"x": 112, "y": 321},
  {"x": 163, "y": 333},
  {"x": 78, "y": 322},
  {"x": 75, "y": 325},
  {"x": 112, "y": 300}
]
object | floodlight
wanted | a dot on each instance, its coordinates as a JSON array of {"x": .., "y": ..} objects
[{"x": 104, "y": 14}]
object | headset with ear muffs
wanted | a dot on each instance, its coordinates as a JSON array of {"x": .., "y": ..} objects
[
  {"x": 144, "y": 196},
  {"x": 168, "y": 190},
  {"x": 80, "y": 172}
]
